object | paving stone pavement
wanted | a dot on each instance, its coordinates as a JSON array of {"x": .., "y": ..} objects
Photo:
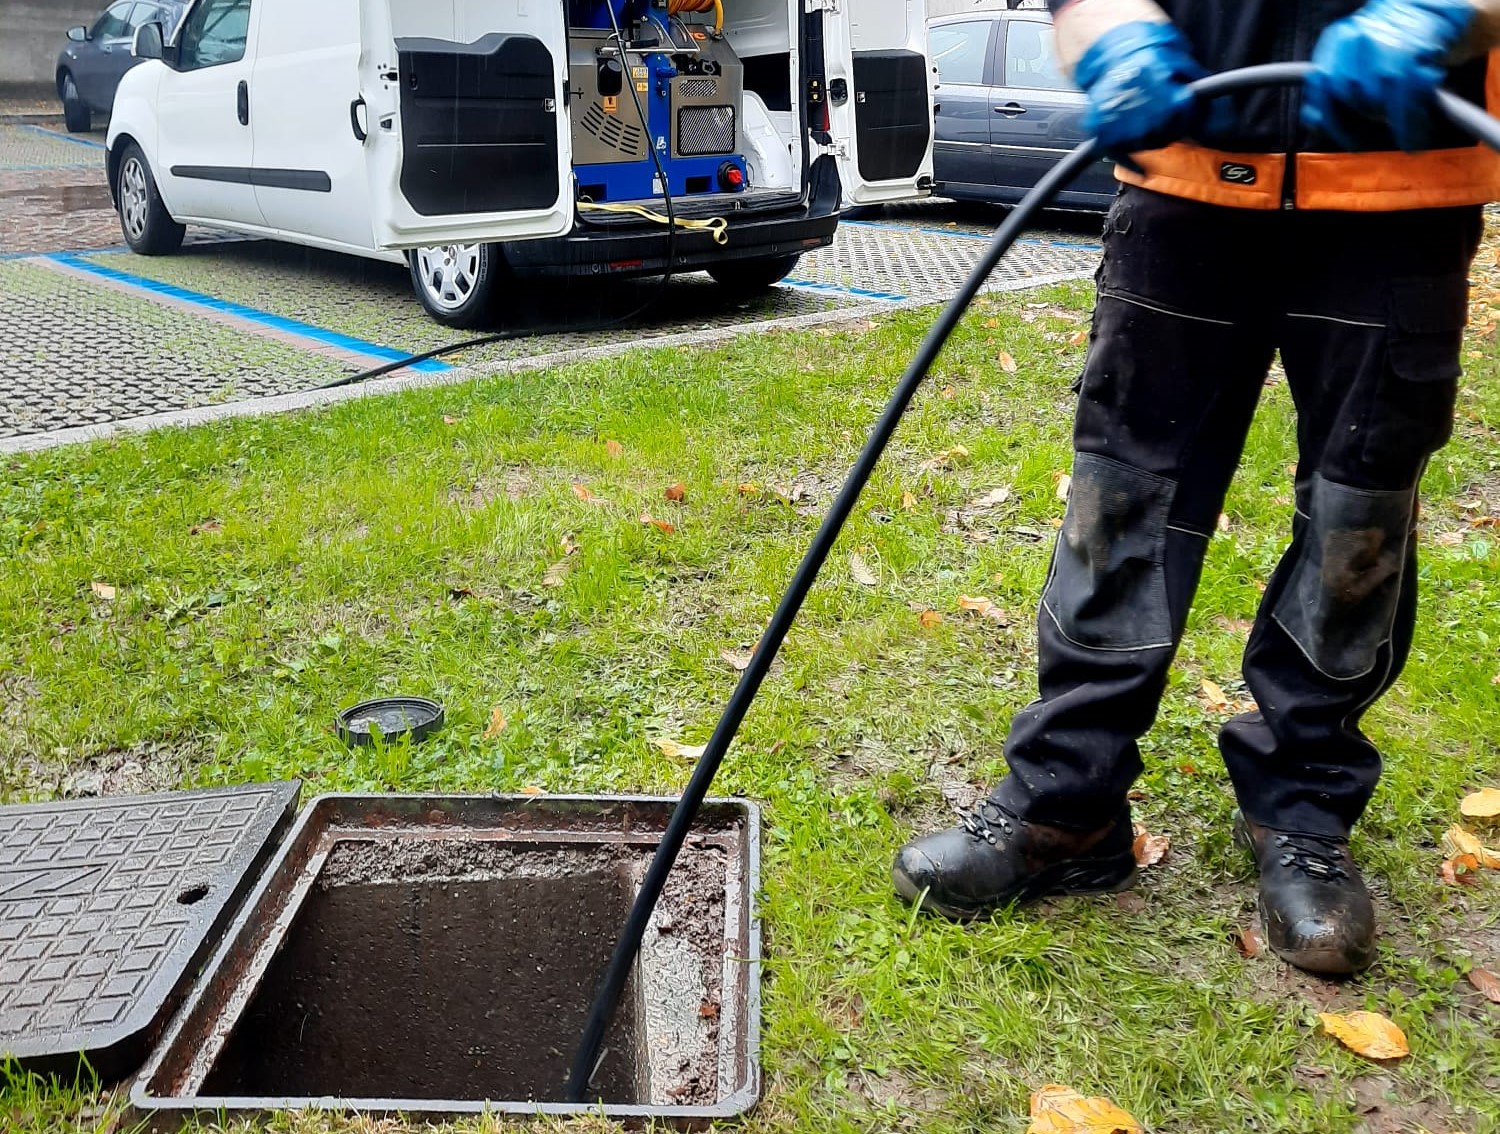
[{"x": 82, "y": 350}]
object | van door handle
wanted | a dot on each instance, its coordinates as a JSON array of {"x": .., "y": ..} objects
[
  {"x": 1010, "y": 109},
  {"x": 360, "y": 133},
  {"x": 242, "y": 102}
]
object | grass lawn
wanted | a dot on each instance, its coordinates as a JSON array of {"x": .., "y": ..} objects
[{"x": 483, "y": 544}]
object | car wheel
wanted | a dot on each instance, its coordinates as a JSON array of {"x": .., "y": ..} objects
[
  {"x": 457, "y": 284},
  {"x": 751, "y": 277},
  {"x": 76, "y": 113},
  {"x": 149, "y": 229}
]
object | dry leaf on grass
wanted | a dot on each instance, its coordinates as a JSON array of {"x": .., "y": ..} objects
[
  {"x": 614, "y": 448},
  {"x": 205, "y": 527},
  {"x": 660, "y": 525},
  {"x": 1487, "y": 983},
  {"x": 1482, "y": 804},
  {"x": 983, "y": 607},
  {"x": 680, "y": 751},
  {"x": 676, "y": 493},
  {"x": 748, "y": 489},
  {"x": 1079, "y": 337},
  {"x": 556, "y": 573},
  {"x": 1460, "y": 870},
  {"x": 1213, "y": 694},
  {"x": 1458, "y": 842},
  {"x": 582, "y": 492},
  {"x": 103, "y": 590},
  {"x": 929, "y": 619},
  {"x": 946, "y": 459},
  {"x": 860, "y": 571},
  {"x": 496, "y": 725},
  {"x": 1149, "y": 849},
  {"x": 532, "y": 789},
  {"x": 1366, "y": 1033},
  {"x": 1064, "y": 485},
  {"x": 908, "y": 501},
  {"x": 1007, "y": 361},
  {"x": 737, "y": 660},
  {"x": 1062, "y": 1110},
  {"x": 991, "y": 499},
  {"x": 1250, "y": 942}
]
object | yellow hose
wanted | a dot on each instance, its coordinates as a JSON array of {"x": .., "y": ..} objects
[
  {"x": 716, "y": 226},
  {"x": 678, "y": 7}
]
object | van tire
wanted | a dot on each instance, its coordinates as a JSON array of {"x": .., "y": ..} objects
[
  {"x": 147, "y": 226},
  {"x": 751, "y": 277},
  {"x": 459, "y": 284},
  {"x": 77, "y": 116}
]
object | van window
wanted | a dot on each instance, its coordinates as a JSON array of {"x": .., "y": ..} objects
[
  {"x": 214, "y": 33},
  {"x": 1029, "y": 59},
  {"x": 960, "y": 50}
]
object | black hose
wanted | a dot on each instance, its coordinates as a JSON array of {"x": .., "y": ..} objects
[{"x": 1464, "y": 114}]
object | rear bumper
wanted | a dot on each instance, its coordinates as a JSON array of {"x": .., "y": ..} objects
[{"x": 641, "y": 249}]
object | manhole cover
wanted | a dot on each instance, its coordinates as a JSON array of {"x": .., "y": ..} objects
[{"x": 107, "y": 905}]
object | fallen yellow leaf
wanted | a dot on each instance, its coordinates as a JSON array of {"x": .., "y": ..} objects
[
  {"x": 748, "y": 489},
  {"x": 1487, "y": 983},
  {"x": 449, "y": 419},
  {"x": 929, "y": 619},
  {"x": 739, "y": 662},
  {"x": 496, "y": 725},
  {"x": 1062, "y": 1110},
  {"x": 948, "y": 393},
  {"x": 1482, "y": 804},
  {"x": 676, "y": 492},
  {"x": 614, "y": 448},
  {"x": 1213, "y": 694},
  {"x": 660, "y": 525},
  {"x": 991, "y": 498},
  {"x": 1366, "y": 1033},
  {"x": 983, "y": 607},
  {"x": 1079, "y": 337},
  {"x": 1250, "y": 942},
  {"x": 946, "y": 459},
  {"x": 103, "y": 590},
  {"x": 556, "y": 573},
  {"x": 860, "y": 570},
  {"x": 1458, "y": 842},
  {"x": 1007, "y": 362},
  {"x": 680, "y": 751},
  {"x": 1460, "y": 870},
  {"x": 582, "y": 492},
  {"x": 908, "y": 501},
  {"x": 1064, "y": 486},
  {"x": 532, "y": 789}
]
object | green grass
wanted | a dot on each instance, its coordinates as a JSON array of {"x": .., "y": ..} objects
[{"x": 268, "y": 572}]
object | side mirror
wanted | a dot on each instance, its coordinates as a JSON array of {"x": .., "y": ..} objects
[
  {"x": 148, "y": 42},
  {"x": 78, "y": 34}
]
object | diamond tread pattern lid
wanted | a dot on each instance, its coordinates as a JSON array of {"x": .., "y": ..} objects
[{"x": 107, "y": 908}]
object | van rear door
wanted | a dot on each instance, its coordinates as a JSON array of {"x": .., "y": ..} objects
[
  {"x": 466, "y": 135},
  {"x": 880, "y": 85}
]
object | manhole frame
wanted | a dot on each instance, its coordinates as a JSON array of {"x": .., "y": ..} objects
[{"x": 228, "y": 982}]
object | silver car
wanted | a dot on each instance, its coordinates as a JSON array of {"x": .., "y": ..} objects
[
  {"x": 1006, "y": 111},
  {"x": 96, "y": 58}
]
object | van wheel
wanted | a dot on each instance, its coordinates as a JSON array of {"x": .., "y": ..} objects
[
  {"x": 458, "y": 284},
  {"x": 76, "y": 113},
  {"x": 751, "y": 277},
  {"x": 149, "y": 229}
]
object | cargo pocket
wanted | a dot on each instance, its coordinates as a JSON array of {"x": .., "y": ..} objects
[
  {"x": 1411, "y": 415},
  {"x": 1107, "y": 588},
  {"x": 1340, "y": 603}
]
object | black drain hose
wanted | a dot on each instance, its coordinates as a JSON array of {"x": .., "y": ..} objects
[{"x": 1463, "y": 114}]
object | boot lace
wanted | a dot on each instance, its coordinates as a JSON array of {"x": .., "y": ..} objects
[
  {"x": 985, "y": 820},
  {"x": 1316, "y": 857}
]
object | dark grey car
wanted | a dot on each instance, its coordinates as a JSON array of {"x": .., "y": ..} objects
[
  {"x": 1006, "y": 112},
  {"x": 96, "y": 58}
]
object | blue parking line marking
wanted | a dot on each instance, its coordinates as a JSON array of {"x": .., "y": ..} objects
[
  {"x": 249, "y": 314},
  {"x": 1081, "y": 245},
  {"x": 835, "y": 289},
  {"x": 61, "y": 137}
]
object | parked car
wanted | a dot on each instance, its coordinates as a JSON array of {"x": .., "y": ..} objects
[
  {"x": 488, "y": 140},
  {"x": 1006, "y": 112},
  {"x": 95, "y": 59}
]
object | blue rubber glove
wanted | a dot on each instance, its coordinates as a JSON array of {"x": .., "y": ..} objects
[
  {"x": 1385, "y": 62},
  {"x": 1136, "y": 77}
]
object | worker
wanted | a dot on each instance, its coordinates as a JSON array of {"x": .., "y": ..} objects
[{"x": 1334, "y": 224}]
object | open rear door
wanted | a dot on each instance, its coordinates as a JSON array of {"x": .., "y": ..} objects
[
  {"x": 880, "y": 86},
  {"x": 467, "y": 135}
]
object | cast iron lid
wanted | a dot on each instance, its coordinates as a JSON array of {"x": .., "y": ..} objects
[{"x": 107, "y": 908}]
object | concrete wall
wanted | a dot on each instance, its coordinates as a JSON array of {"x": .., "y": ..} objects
[{"x": 31, "y": 35}]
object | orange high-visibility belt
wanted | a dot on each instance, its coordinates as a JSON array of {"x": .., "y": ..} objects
[{"x": 1350, "y": 182}]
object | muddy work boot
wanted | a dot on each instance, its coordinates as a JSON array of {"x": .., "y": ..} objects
[
  {"x": 1313, "y": 903},
  {"x": 995, "y": 858}
]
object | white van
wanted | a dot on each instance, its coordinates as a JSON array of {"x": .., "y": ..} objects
[{"x": 482, "y": 141}]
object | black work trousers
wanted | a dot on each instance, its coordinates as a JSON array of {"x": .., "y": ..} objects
[{"x": 1367, "y": 310}]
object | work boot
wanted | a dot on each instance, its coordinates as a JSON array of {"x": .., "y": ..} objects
[
  {"x": 1313, "y": 903},
  {"x": 994, "y": 858}
]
